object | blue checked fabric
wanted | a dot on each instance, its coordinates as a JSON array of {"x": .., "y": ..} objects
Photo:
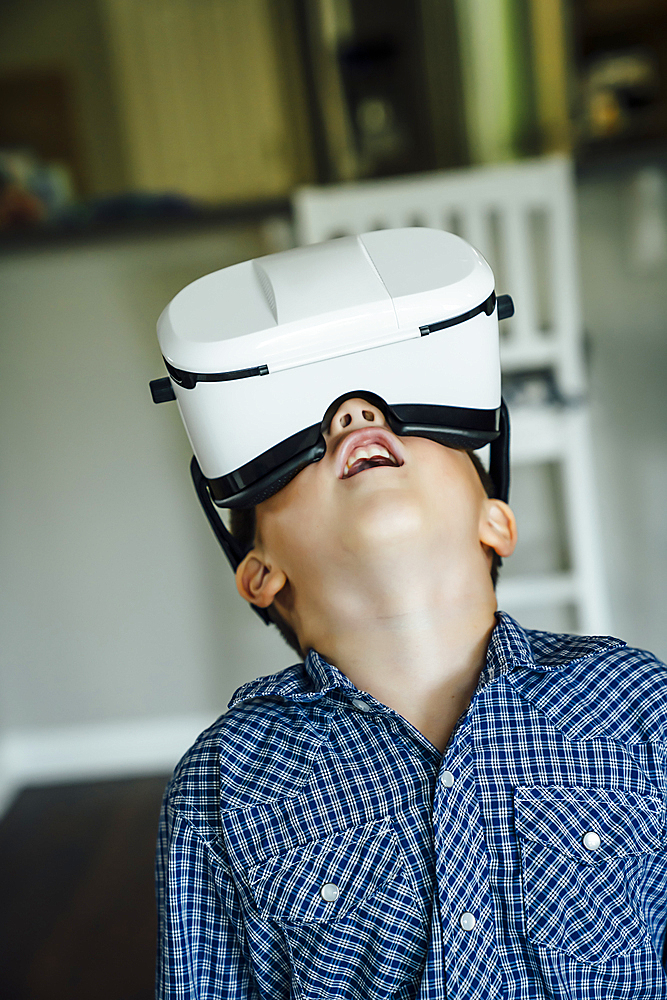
[{"x": 315, "y": 846}]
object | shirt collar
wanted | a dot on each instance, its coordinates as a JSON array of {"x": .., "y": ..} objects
[
  {"x": 509, "y": 649},
  {"x": 325, "y": 676},
  {"x": 513, "y": 648},
  {"x": 305, "y": 682}
]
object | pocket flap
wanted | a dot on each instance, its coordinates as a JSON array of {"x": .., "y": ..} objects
[
  {"x": 625, "y": 823},
  {"x": 351, "y": 864}
]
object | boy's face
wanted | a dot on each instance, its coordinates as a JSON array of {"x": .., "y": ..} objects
[{"x": 372, "y": 495}]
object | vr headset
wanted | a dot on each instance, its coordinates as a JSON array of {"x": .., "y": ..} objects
[{"x": 261, "y": 354}]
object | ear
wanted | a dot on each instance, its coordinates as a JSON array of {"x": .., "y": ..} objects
[
  {"x": 497, "y": 527},
  {"x": 258, "y": 582}
]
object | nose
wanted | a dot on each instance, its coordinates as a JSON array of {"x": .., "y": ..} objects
[{"x": 353, "y": 414}]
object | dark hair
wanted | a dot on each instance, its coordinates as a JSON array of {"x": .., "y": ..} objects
[{"x": 243, "y": 523}]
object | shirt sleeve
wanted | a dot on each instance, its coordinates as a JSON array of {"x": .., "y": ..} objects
[{"x": 200, "y": 954}]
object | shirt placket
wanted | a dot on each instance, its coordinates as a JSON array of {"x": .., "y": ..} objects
[{"x": 468, "y": 932}]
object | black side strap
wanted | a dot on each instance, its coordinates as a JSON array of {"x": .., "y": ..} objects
[
  {"x": 499, "y": 457},
  {"x": 229, "y": 545}
]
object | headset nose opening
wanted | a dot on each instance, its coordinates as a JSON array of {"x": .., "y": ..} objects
[
  {"x": 356, "y": 413},
  {"x": 359, "y": 401}
]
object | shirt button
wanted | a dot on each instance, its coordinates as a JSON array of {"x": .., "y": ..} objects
[
  {"x": 329, "y": 892},
  {"x": 447, "y": 779},
  {"x": 467, "y": 921},
  {"x": 361, "y": 705},
  {"x": 591, "y": 841}
]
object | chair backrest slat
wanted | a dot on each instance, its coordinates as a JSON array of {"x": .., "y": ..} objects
[{"x": 520, "y": 216}]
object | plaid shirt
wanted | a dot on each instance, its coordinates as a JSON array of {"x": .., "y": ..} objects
[{"x": 315, "y": 846}]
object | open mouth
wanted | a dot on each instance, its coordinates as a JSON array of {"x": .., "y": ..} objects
[
  {"x": 367, "y": 450},
  {"x": 367, "y": 458}
]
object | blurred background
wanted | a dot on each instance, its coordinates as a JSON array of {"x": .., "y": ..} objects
[{"x": 144, "y": 143}]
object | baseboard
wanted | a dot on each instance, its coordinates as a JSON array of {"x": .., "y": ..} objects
[{"x": 104, "y": 750}]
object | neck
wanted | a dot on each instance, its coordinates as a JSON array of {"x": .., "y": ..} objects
[{"x": 416, "y": 639}]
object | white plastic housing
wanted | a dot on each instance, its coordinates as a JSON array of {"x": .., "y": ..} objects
[{"x": 328, "y": 319}]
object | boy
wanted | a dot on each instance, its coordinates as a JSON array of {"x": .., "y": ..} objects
[{"x": 436, "y": 803}]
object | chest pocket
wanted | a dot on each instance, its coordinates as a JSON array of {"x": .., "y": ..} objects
[
  {"x": 347, "y": 911},
  {"x": 583, "y": 854}
]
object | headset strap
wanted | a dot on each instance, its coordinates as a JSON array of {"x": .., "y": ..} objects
[
  {"x": 499, "y": 456},
  {"x": 229, "y": 545}
]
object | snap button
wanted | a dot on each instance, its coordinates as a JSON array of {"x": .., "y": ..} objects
[
  {"x": 361, "y": 705},
  {"x": 329, "y": 892},
  {"x": 467, "y": 921},
  {"x": 447, "y": 779},
  {"x": 591, "y": 841}
]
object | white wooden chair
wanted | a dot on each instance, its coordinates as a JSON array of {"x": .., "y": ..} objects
[{"x": 521, "y": 216}]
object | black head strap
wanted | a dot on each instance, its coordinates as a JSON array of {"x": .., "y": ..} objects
[
  {"x": 499, "y": 456},
  {"x": 234, "y": 551}
]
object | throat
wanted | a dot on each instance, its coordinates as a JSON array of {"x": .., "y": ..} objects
[{"x": 422, "y": 665}]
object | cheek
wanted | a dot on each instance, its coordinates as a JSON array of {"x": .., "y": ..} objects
[
  {"x": 291, "y": 522},
  {"x": 450, "y": 483}
]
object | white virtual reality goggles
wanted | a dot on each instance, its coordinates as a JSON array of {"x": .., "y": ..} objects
[{"x": 261, "y": 354}]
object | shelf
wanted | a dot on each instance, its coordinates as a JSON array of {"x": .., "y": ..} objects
[{"x": 245, "y": 213}]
